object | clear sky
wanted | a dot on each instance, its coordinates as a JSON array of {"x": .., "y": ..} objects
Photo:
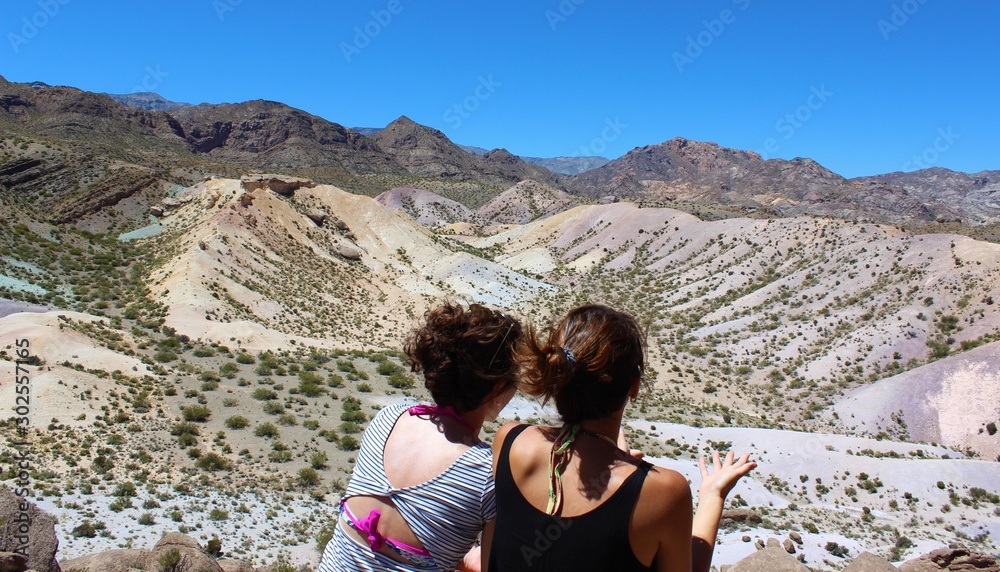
[{"x": 861, "y": 86}]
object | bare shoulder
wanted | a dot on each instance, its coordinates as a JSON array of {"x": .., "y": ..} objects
[
  {"x": 666, "y": 491},
  {"x": 501, "y": 435}
]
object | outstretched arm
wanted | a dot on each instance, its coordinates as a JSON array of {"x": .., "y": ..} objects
[{"x": 715, "y": 487}]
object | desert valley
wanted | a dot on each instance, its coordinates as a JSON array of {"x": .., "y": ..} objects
[{"x": 208, "y": 304}]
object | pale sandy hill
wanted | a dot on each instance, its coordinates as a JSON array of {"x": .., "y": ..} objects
[
  {"x": 767, "y": 313},
  {"x": 949, "y": 402},
  {"x": 58, "y": 390},
  {"x": 426, "y": 207},
  {"x": 252, "y": 267},
  {"x": 524, "y": 202}
]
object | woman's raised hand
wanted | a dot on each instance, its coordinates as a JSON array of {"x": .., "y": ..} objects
[{"x": 724, "y": 475}]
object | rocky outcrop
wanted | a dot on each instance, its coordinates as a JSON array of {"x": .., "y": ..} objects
[
  {"x": 175, "y": 551},
  {"x": 770, "y": 559},
  {"x": 868, "y": 562},
  {"x": 39, "y": 532},
  {"x": 952, "y": 559},
  {"x": 349, "y": 252},
  {"x": 282, "y": 184},
  {"x": 12, "y": 562},
  {"x": 739, "y": 516},
  {"x": 230, "y": 565},
  {"x": 317, "y": 216}
]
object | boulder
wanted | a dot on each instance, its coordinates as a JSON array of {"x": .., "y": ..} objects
[
  {"x": 340, "y": 225},
  {"x": 954, "y": 559},
  {"x": 12, "y": 562},
  {"x": 349, "y": 252},
  {"x": 769, "y": 560},
  {"x": 156, "y": 210},
  {"x": 317, "y": 216},
  {"x": 245, "y": 199},
  {"x": 109, "y": 561},
  {"x": 796, "y": 537},
  {"x": 172, "y": 203},
  {"x": 759, "y": 544},
  {"x": 789, "y": 546},
  {"x": 745, "y": 538},
  {"x": 772, "y": 543},
  {"x": 41, "y": 543},
  {"x": 175, "y": 551},
  {"x": 868, "y": 562},
  {"x": 282, "y": 184},
  {"x": 739, "y": 515},
  {"x": 231, "y": 565}
]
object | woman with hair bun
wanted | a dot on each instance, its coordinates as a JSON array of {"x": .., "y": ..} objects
[
  {"x": 573, "y": 497},
  {"x": 422, "y": 487}
]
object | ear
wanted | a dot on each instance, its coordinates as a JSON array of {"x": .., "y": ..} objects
[{"x": 633, "y": 391}]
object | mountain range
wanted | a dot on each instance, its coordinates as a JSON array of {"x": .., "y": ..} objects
[{"x": 227, "y": 138}]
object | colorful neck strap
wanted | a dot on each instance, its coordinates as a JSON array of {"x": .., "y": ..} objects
[
  {"x": 446, "y": 410},
  {"x": 559, "y": 459}
]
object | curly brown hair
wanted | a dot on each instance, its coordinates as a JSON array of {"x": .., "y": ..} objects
[
  {"x": 465, "y": 353},
  {"x": 587, "y": 364}
]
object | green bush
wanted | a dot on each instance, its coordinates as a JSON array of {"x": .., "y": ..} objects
[
  {"x": 349, "y": 443},
  {"x": 245, "y": 358},
  {"x": 308, "y": 477},
  {"x": 400, "y": 380},
  {"x": 264, "y": 394},
  {"x": 87, "y": 529},
  {"x": 169, "y": 560},
  {"x": 267, "y": 430},
  {"x": 274, "y": 408},
  {"x": 213, "y": 462},
  {"x": 198, "y": 413},
  {"x": 237, "y": 422},
  {"x": 318, "y": 460}
]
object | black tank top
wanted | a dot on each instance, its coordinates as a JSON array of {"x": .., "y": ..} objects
[{"x": 527, "y": 539}]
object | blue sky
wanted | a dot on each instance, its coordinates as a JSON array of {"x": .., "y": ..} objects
[{"x": 861, "y": 86}]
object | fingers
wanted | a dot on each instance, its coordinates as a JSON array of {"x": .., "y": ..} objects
[
  {"x": 716, "y": 463},
  {"x": 636, "y": 454},
  {"x": 702, "y": 468}
]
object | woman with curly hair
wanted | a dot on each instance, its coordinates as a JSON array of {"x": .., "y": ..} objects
[
  {"x": 422, "y": 487},
  {"x": 573, "y": 497}
]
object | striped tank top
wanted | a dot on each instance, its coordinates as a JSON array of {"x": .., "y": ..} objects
[{"x": 446, "y": 513}]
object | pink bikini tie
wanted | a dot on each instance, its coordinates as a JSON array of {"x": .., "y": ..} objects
[{"x": 447, "y": 410}]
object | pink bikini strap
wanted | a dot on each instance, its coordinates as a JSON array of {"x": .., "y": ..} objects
[
  {"x": 447, "y": 410},
  {"x": 369, "y": 527}
]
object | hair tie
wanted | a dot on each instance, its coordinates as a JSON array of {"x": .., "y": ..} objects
[{"x": 570, "y": 357}]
